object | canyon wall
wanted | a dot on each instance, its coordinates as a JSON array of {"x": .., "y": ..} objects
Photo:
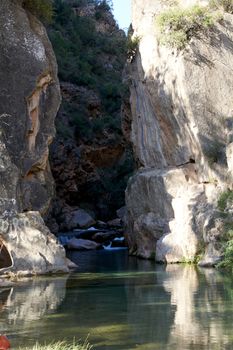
[
  {"x": 182, "y": 117},
  {"x": 29, "y": 100}
]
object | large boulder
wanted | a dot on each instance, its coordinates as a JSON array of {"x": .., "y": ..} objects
[
  {"x": 31, "y": 247},
  {"x": 80, "y": 218}
]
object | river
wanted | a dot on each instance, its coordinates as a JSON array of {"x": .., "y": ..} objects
[{"x": 120, "y": 303}]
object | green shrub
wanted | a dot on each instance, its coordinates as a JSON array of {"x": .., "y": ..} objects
[
  {"x": 43, "y": 9},
  {"x": 225, "y": 199},
  {"x": 108, "y": 123},
  {"x": 227, "y": 261},
  {"x": 177, "y": 26},
  {"x": 226, "y": 5},
  {"x": 215, "y": 152},
  {"x": 132, "y": 46}
]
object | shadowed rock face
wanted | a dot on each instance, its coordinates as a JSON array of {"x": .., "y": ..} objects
[
  {"x": 181, "y": 131},
  {"x": 29, "y": 100}
]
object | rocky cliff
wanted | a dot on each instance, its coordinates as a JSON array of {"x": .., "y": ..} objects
[
  {"x": 29, "y": 101},
  {"x": 181, "y": 101}
]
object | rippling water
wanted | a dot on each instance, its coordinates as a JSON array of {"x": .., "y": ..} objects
[{"x": 123, "y": 303}]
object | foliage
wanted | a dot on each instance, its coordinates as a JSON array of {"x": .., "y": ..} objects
[
  {"x": 224, "y": 202},
  {"x": 214, "y": 152},
  {"x": 226, "y": 5},
  {"x": 132, "y": 46},
  {"x": 62, "y": 346},
  {"x": 104, "y": 5},
  {"x": 115, "y": 178},
  {"x": 227, "y": 261},
  {"x": 80, "y": 50},
  {"x": 177, "y": 26},
  {"x": 225, "y": 199},
  {"x": 40, "y": 8}
]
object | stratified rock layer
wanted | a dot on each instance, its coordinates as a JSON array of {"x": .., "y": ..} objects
[
  {"x": 181, "y": 131},
  {"x": 29, "y": 101}
]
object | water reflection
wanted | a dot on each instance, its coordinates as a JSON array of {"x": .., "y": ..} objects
[
  {"x": 201, "y": 306},
  {"x": 22, "y": 305},
  {"x": 125, "y": 306}
]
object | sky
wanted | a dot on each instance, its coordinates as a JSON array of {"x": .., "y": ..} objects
[{"x": 122, "y": 12}]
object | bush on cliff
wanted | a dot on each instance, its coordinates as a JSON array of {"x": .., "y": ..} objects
[
  {"x": 40, "y": 8},
  {"x": 225, "y": 203},
  {"x": 227, "y": 261},
  {"x": 177, "y": 26}
]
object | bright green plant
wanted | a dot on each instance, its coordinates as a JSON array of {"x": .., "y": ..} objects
[
  {"x": 177, "y": 26},
  {"x": 40, "y": 8}
]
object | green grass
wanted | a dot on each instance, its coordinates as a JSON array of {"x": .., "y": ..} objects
[
  {"x": 177, "y": 26},
  {"x": 62, "y": 346}
]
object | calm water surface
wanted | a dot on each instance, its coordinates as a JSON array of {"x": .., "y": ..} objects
[{"x": 123, "y": 303}]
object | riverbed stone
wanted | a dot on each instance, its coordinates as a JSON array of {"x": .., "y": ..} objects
[
  {"x": 102, "y": 237},
  {"x": 82, "y": 244}
]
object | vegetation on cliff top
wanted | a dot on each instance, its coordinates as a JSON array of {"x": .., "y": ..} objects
[
  {"x": 80, "y": 48},
  {"x": 43, "y": 9},
  {"x": 177, "y": 26}
]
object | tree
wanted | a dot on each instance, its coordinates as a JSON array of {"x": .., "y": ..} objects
[{"x": 42, "y": 9}]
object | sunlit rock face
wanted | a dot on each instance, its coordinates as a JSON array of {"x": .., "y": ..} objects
[
  {"x": 29, "y": 100},
  {"x": 181, "y": 104}
]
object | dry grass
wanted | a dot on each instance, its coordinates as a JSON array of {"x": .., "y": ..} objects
[{"x": 62, "y": 346}]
